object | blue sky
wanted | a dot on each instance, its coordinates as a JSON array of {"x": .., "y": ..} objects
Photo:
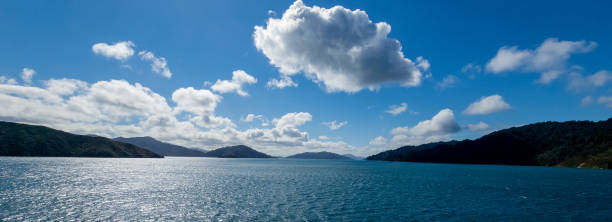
[{"x": 530, "y": 62}]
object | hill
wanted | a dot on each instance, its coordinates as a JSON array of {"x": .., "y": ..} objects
[
  {"x": 566, "y": 144},
  {"x": 159, "y": 147},
  {"x": 30, "y": 140},
  {"x": 239, "y": 151},
  {"x": 318, "y": 155},
  {"x": 351, "y": 156}
]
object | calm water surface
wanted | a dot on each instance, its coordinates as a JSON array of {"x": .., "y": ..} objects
[{"x": 296, "y": 190}]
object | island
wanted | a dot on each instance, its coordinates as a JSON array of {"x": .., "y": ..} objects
[
  {"x": 166, "y": 149},
  {"x": 582, "y": 144},
  {"x": 239, "y": 151},
  {"x": 319, "y": 155},
  {"x": 30, "y": 140}
]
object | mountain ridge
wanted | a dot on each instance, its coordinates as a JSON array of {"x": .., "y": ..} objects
[
  {"x": 17, "y": 139},
  {"x": 318, "y": 155},
  {"x": 238, "y": 151},
  {"x": 564, "y": 144},
  {"x": 163, "y": 148}
]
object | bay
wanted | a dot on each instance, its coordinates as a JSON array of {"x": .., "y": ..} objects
[{"x": 205, "y": 189}]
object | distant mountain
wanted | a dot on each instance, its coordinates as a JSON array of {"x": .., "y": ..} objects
[
  {"x": 566, "y": 144},
  {"x": 30, "y": 140},
  {"x": 162, "y": 148},
  {"x": 239, "y": 151},
  {"x": 198, "y": 149},
  {"x": 351, "y": 156},
  {"x": 318, "y": 155}
]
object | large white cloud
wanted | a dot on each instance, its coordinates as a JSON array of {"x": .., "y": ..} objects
[
  {"x": 202, "y": 104},
  {"x": 337, "y": 47},
  {"x": 438, "y": 128},
  {"x": 549, "y": 59},
  {"x": 486, "y": 105},
  {"x": 116, "y": 99},
  {"x": 159, "y": 65},
  {"x": 119, "y": 50},
  {"x": 119, "y": 108},
  {"x": 195, "y": 101},
  {"x": 105, "y": 101},
  {"x": 239, "y": 78},
  {"x": 64, "y": 86}
]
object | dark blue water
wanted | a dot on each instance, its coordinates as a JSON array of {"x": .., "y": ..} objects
[{"x": 282, "y": 189}]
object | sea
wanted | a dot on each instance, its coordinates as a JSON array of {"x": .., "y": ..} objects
[{"x": 211, "y": 189}]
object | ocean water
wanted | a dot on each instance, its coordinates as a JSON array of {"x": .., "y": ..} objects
[{"x": 203, "y": 189}]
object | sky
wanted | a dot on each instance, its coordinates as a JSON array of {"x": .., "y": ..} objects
[{"x": 286, "y": 77}]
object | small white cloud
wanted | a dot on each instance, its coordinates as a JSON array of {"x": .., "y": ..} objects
[
  {"x": 334, "y": 125},
  {"x": 448, "y": 81},
  {"x": 486, "y": 105},
  {"x": 435, "y": 129},
  {"x": 378, "y": 141},
  {"x": 7, "y": 80},
  {"x": 587, "y": 100},
  {"x": 549, "y": 58},
  {"x": 239, "y": 78},
  {"x": 605, "y": 100},
  {"x": 323, "y": 138},
  {"x": 600, "y": 78},
  {"x": 577, "y": 82},
  {"x": 480, "y": 126},
  {"x": 250, "y": 117},
  {"x": 271, "y": 13},
  {"x": 442, "y": 123},
  {"x": 284, "y": 81},
  {"x": 423, "y": 64},
  {"x": 471, "y": 70},
  {"x": 126, "y": 66},
  {"x": 396, "y": 110},
  {"x": 159, "y": 65},
  {"x": 27, "y": 74},
  {"x": 291, "y": 120},
  {"x": 507, "y": 59},
  {"x": 119, "y": 51}
]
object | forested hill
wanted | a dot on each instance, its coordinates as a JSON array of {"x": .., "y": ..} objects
[
  {"x": 166, "y": 149},
  {"x": 318, "y": 155},
  {"x": 566, "y": 144},
  {"x": 30, "y": 140},
  {"x": 239, "y": 151}
]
